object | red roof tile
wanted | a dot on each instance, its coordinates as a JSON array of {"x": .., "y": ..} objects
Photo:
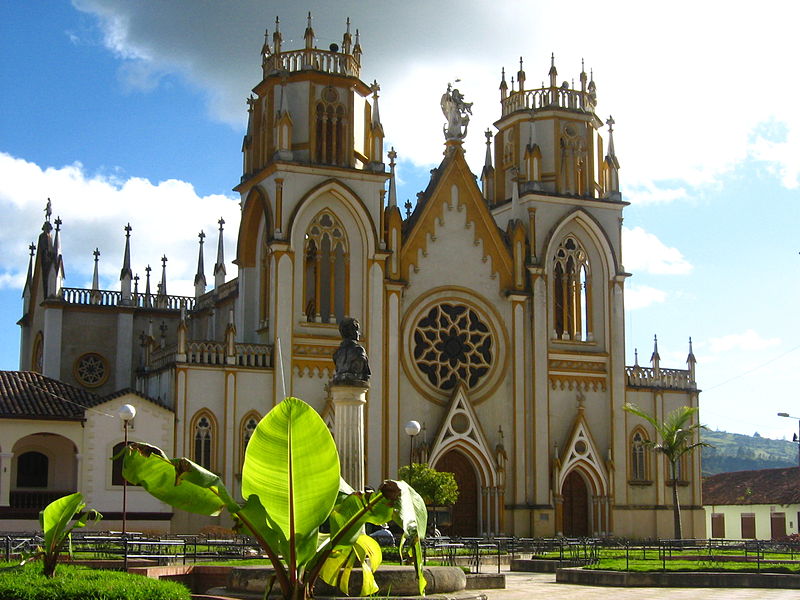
[
  {"x": 25, "y": 394},
  {"x": 765, "y": 486}
]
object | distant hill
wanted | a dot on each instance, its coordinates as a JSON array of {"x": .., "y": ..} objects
[{"x": 738, "y": 452}]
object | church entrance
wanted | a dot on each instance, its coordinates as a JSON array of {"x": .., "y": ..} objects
[
  {"x": 465, "y": 511},
  {"x": 576, "y": 506}
]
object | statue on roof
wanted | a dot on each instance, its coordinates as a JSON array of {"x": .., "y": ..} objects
[{"x": 457, "y": 112}]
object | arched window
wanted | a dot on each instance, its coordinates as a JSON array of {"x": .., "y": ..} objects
[
  {"x": 249, "y": 424},
  {"x": 32, "y": 468},
  {"x": 330, "y": 131},
  {"x": 326, "y": 270},
  {"x": 571, "y": 292},
  {"x": 203, "y": 451},
  {"x": 638, "y": 457},
  {"x": 116, "y": 465},
  {"x": 38, "y": 353}
]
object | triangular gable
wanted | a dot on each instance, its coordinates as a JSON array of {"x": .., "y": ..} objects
[
  {"x": 453, "y": 171},
  {"x": 128, "y": 394},
  {"x": 461, "y": 429},
  {"x": 581, "y": 452}
]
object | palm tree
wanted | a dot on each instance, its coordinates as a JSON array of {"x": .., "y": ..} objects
[{"x": 677, "y": 434}]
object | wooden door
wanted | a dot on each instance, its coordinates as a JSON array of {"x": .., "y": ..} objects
[
  {"x": 576, "y": 506},
  {"x": 777, "y": 523},
  {"x": 464, "y": 514}
]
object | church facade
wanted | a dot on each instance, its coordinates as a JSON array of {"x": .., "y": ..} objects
[{"x": 492, "y": 313}]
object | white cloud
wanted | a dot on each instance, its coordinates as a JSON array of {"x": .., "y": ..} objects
[
  {"x": 642, "y": 296},
  {"x": 166, "y": 218},
  {"x": 748, "y": 341},
  {"x": 644, "y": 252},
  {"x": 685, "y": 111}
]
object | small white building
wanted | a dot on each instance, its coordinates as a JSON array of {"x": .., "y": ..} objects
[
  {"x": 56, "y": 439},
  {"x": 763, "y": 504}
]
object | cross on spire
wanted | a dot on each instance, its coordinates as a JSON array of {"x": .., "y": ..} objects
[{"x": 32, "y": 248}]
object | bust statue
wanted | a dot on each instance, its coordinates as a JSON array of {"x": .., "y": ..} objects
[{"x": 350, "y": 359}]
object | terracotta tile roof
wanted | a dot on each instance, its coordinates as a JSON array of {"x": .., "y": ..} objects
[
  {"x": 25, "y": 394},
  {"x": 765, "y": 486}
]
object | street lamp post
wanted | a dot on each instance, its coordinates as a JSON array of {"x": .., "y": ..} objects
[
  {"x": 796, "y": 435},
  {"x": 126, "y": 412},
  {"x": 412, "y": 429}
]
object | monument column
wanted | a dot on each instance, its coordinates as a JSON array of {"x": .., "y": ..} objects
[
  {"x": 348, "y": 430},
  {"x": 349, "y": 395}
]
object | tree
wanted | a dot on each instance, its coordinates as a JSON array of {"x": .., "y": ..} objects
[
  {"x": 436, "y": 488},
  {"x": 291, "y": 483},
  {"x": 677, "y": 434}
]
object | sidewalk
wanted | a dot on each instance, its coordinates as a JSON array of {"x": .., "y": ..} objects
[{"x": 524, "y": 586}]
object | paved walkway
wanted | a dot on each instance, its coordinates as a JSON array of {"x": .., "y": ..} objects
[{"x": 522, "y": 586}]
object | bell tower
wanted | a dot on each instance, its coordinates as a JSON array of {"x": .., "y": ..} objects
[
  {"x": 312, "y": 108},
  {"x": 548, "y": 140}
]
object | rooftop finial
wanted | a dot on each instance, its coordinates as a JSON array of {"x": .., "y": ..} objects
[
  {"x": 95, "y": 275},
  {"x": 309, "y": 35},
  {"x": 162, "y": 287},
  {"x": 126, "y": 274},
  {"x": 392, "y": 187},
  {"x": 219, "y": 266},
  {"x": 487, "y": 164},
  {"x": 347, "y": 39},
  {"x": 200, "y": 276}
]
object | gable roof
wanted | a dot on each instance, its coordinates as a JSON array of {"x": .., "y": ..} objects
[
  {"x": 764, "y": 486},
  {"x": 126, "y": 391},
  {"x": 416, "y": 228},
  {"x": 25, "y": 394}
]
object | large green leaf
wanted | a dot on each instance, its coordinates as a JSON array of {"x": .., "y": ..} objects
[
  {"x": 292, "y": 465},
  {"x": 55, "y": 518},
  {"x": 179, "y": 482}
]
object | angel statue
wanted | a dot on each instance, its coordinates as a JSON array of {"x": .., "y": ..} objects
[{"x": 457, "y": 112}]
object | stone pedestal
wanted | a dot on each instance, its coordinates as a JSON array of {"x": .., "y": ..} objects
[{"x": 348, "y": 430}]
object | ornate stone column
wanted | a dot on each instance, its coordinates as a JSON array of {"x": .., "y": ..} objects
[{"x": 348, "y": 430}]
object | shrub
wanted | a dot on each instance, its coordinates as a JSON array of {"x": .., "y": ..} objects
[
  {"x": 81, "y": 583},
  {"x": 217, "y": 532}
]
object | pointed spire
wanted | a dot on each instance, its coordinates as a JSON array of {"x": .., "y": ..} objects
[
  {"x": 277, "y": 38},
  {"x": 553, "y": 72},
  {"x": 521, "y": 76},
  {"x": 655, "y": 358},
  {"x": 200, "y": 276},
  {"x": 503, "y": 85},
  {"x": 126, "y": 274},
  {"x": 147, "y": 293},
  {"x": 376, "y": 118},
  {"x": 29, "y": 278},
  {"x": 57, "y": 240},
  {"x": 392, "y": 185},
  {"x": 162, "y": 287},
  {"x": 357, "y": 48},
  {"x": 635, "y": 357},
  {"x": 219, "y": 266},
  {"x": 96, "y": 275},
  {"x": 347, "y": 39},
  {"x": 487, "y": 163},
  {"x": 309, "y": 34},
  {"x": 691, "y": 361},
  {"x": 610, "y": 122}
]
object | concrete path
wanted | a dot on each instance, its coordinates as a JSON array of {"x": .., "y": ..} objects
[{"x": 522, "y": 586}]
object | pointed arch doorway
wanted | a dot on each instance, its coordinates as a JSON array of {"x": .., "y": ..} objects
[
  {"x": 464, "y": 513},
  {"x": 575, "y": 494}
]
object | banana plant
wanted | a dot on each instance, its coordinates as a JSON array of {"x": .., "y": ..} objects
[
  {"x": 55, "y": 522},
  {"x": 291, "y": 485}
]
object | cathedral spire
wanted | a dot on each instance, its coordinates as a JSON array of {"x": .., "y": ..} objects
[
  {"x": 26, "y": 290},
  {"x": 347, "y": 39},
  {"x": 691, "y": 362},
  {"x": 309, "y": 34},
  {"x": 277, "y": 38},
  {"x": 376, "y": 151},
  {"x": 392, "y": 185},
  {"x": 147, "y": 292},
  {"x": 162, "y": 287},
  {"x": 655, "y": 358},
  {"x": 357, "y": 48},
  {"x": 487, "y": 173},
  {"x": 219, "y": 266},
  {"x": 553, "y": 72},
  {"x": 200, "y": 276},
  {"x": 503, "y": 85},
  {"x": 58, "y": 273},
  {"x": 126, "y": 274},
  {"x": 96, "y": 277},
  {"x": 521, "y": 76}
]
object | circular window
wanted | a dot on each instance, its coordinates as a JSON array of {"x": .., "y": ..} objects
[
  {"x": 452, "y": 344},
  {"x": 91, "y": 370}
]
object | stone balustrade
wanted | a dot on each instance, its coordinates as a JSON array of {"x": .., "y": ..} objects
[{"x": 646, "y": 377}]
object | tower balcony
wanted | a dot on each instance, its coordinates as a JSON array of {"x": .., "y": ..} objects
[
  {"x": 648, "y": 377},
  {"x": 214, "y": 354},
  {"x": 548, "y": 98},
  {"x": 114, "y": 298},
  {"x": 326, "y": 61}
]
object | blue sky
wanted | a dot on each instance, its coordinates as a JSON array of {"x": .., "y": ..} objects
[{"x": 123, "y": 111}]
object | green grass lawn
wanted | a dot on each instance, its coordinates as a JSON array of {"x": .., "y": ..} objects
[{"x": 80, "y": 583}]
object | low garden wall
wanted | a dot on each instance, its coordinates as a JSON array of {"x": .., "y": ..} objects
[{"x": 676, "y": 579}]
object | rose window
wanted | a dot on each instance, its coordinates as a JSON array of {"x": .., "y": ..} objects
[
  {"x": 451, "y": 344},
  {"x": 91, "y": 370}
]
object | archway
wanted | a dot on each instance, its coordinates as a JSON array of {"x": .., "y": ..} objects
[
  {"x": 464, "y": 513},
  {"x": 575, "y": 494},
  {"x": 44, "y": 467}
]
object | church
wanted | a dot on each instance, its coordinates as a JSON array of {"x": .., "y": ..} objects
[{"x": 492, "y": 313}]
